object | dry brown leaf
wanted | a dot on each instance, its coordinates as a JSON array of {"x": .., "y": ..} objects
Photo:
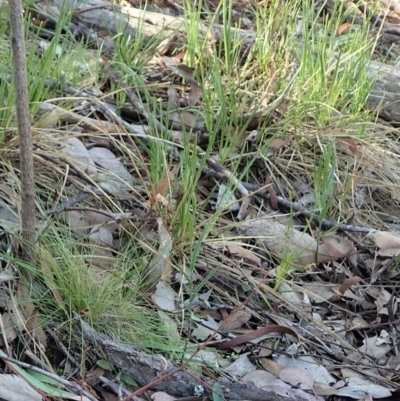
[
  {"x": 161, "y": 200},
  {"x": 245, "y": 208},
  {"x": 293, "y": 244},
  {"x": 236, "y": 320},
  {"x": 348, "y": 294},
  {"x": 165, "y": 183},
  {"x": 237, "y": 251},
  {"x": 115, "y": 177},
  {"x": 8, "y": 332},
  {"x": 349, "y": 144},
  {"x": 349, "y": 283},
  {"x": 25, "y": 300},
  {"x": 33, "y": 326},
  {"x": 195, "y": 93},
  {"x": 9, "y": 220},
  {"x": 338, "y": 246},
  {"x": 271, "y": 366},
  {"x": 321, "y": 292},
  {"x": 25, "y": 315},
  {"x": 342, "y": 28},
  {"x": 181, "y": 69},
  {"x": 77, "y": 152},
  {"x": 384, "y": 240},
  {"x": 161, "y": 396},
  {"x": 389, "y": 252},
  {"x": 164, "y": 296},
  {"x": 8, "y": 194},
  {"x": 297, "y": 377},
  {"x": 265, "y": 349},
  {"x": 260, "y": 378},
  {"x": 160, "y": 266},
  {"x": 278, "y": 143},
  {"x": 92, "y": 377},
  {"x": 185, "y": 118},
  {"x": 77, "y": 221}
]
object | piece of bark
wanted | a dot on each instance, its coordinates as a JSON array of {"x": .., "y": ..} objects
[{"x": 144, "y": 369}]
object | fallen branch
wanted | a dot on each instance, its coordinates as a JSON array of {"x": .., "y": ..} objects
[{"x": 155, "y": 372}]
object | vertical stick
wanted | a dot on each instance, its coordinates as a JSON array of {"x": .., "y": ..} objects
[{"x": 24, "y": 130}]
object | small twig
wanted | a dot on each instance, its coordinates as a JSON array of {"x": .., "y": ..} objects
[{"x": 70, "y": 202}]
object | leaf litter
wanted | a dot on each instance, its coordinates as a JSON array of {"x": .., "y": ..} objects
[{"x": 328, "y": 298}]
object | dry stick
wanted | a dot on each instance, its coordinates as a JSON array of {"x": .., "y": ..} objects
[
  {"x": 24, "y": 131},
  {"x": 295, "y": 206},
  {"x": 70, "y": 202},
  {"x": 66, "y": 383}
]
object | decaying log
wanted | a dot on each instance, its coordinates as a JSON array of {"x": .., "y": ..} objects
[
  {"x": 102, "y": 15},
  {"x": 145, "y": 369},
  {"x": 105, "y": 16}
]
